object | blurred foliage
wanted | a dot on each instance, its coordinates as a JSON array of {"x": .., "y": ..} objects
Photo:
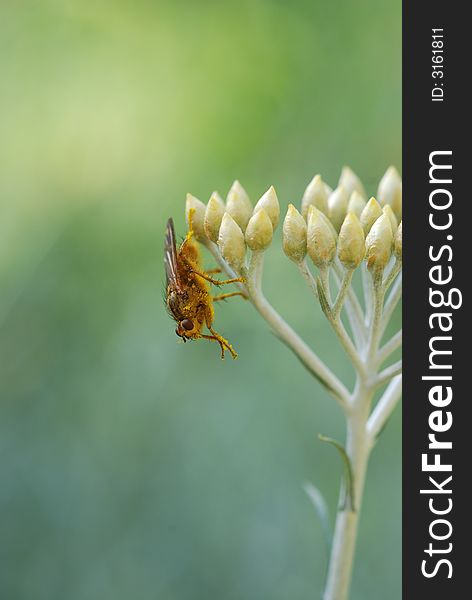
[{"x": 131, "y": 465}]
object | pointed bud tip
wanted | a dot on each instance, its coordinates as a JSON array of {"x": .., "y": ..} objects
[
  {"x": 294, "y": 235},
  {"x": 321, "y": 240},
  {"x": 231, "y": 242},
  {"x": 351, "y": 242},
  {"x": 270, "y": 203},
  {"x": 379, "y": 244},
  {"x": 214, "y": 212},
  {"x": 198, "y": 215},
  {"x": 259, "y": 231}
]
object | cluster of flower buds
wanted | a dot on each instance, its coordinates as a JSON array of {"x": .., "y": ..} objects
[
  {"x": 235, "y": 225},
  {"x": 339, "y": 222},
  {"x": 343, "y": 222}
]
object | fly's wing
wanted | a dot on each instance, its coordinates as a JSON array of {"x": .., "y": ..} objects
[{"x": 170, "y": 255}]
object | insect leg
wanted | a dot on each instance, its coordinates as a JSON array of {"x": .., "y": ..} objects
[
  {"x": 215, "y": 339},
  {"x": 215, "y": 270},
  {"x": 217, "y": 281},
  {"x": 224, "y": 296},
  {"x": 223, "y": 343}
]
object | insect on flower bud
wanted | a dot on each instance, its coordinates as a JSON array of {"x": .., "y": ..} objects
[
  {"x": 379, "y": 244},
  {"x": 356, "y": 203},
  {"x": 390, "y": 191},
  {"x": 397, "y": 242},
  {"x": 321, "y": 241},
  {"x": 351, "y": 242},
  {"x": 316, "y": 194},
  {"x": 387, "y": 210},
  {"x": 231, "y": 242},
  {"x": 351, "y": 182},
  {"x": 214, "y": 212},
  {"x": 259, "y": 231},
  {"x": 338, "y": 206},
  {"x": 197, "y": 216},
  {"x": 238, "y": 205},
  {"x": 370, "y": 214},
  {"x": 294, "y": 235},
  {"x": 270, "y": 203}
]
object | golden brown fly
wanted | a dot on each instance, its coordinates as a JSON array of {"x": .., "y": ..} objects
[{"x": 188, "y": 295}]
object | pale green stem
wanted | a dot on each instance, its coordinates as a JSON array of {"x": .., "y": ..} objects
[
  {"x": 384, "y": 407},
  {"x": 339, "y": 328},
  {"x": 368, "y": 291},
  {"x": 393, "y": 343},
  {"x": 343, "y": 290},
  {"x": 362, "y": 430},
  {"x": 375, "y": 325},
  {"x": 384, "y": 376},
  {"x": 353, "y": 308},
  {"x": 392, "y": 301},
  {"x": 394, "y": 271},
  {"x": 308, "y": 277},
  {"x": 358, "y": 447},
  {"x": 288, "y": 335}
]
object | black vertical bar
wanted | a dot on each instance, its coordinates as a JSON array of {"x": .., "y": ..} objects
[{"x": 435, "y": 120}]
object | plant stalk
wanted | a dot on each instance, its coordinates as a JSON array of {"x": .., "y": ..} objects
[{"x": 358, "y": 446}]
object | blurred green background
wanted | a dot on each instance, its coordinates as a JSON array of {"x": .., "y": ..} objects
[{"x": 132, "y": 466}]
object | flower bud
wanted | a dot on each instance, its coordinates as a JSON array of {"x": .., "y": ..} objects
[
  {"x": 328, "y": 189},
  {"x": 390, "y": 191},
  {"x": 259, "y": 231},
  {"x": 238, "y": 205},
  {"x": 315, "y": 195},
  {"x": 338, "y": 207},
  {"x": 356, "y": 203},
  {"x": 197, "y": 217},
  {"x": 321, "y": 242},
  {"x": 214, "y": 212},
  {"x": 397, "y": 242},
  {"x": 231, "y": 242},
  {"x": 351, "y": 242},
  {"x": 379, "y": 244},
  {"x": 294, "y": 235},
  {"x": 270, "y": 203},
  {"x": 387, "y": 210},
  {"x": 351, "y": 182},
  {"x": 370, "y": 214},
  {"x": 218, "y": 198}
]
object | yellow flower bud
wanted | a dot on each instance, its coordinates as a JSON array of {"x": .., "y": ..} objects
[
  {"x": 397, "y": 242},
  {"x": 390, "y": 191},
  {"x": 315, "y": 195},
  {"x": 351, "y": 182},
  {"x": 370, "y": 214},
  {"x": 270, "y": 203},
  {"x": 338, "y": 207},
  {"x": 214, "y": 212},
  {"x": 294, "y": 235},
  {"x": 356, "y": 203},
  {"x": 259, "y": 231},
  {"x": 238, "y": 205},
  {"x": 379, "y": 244},
  {"x": 231, "y": 242},
  {"x": 198, "y": 215},
  {"x": 351, "y": 242},
  {"x": 387, "y": 210},
  {"x": 321, "y": 242}
]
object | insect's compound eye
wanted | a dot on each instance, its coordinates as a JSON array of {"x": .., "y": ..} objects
[{"x": 187, "y": 324}]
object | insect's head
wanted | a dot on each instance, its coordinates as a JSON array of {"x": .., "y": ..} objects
[{"x": 185, "y": 329}]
